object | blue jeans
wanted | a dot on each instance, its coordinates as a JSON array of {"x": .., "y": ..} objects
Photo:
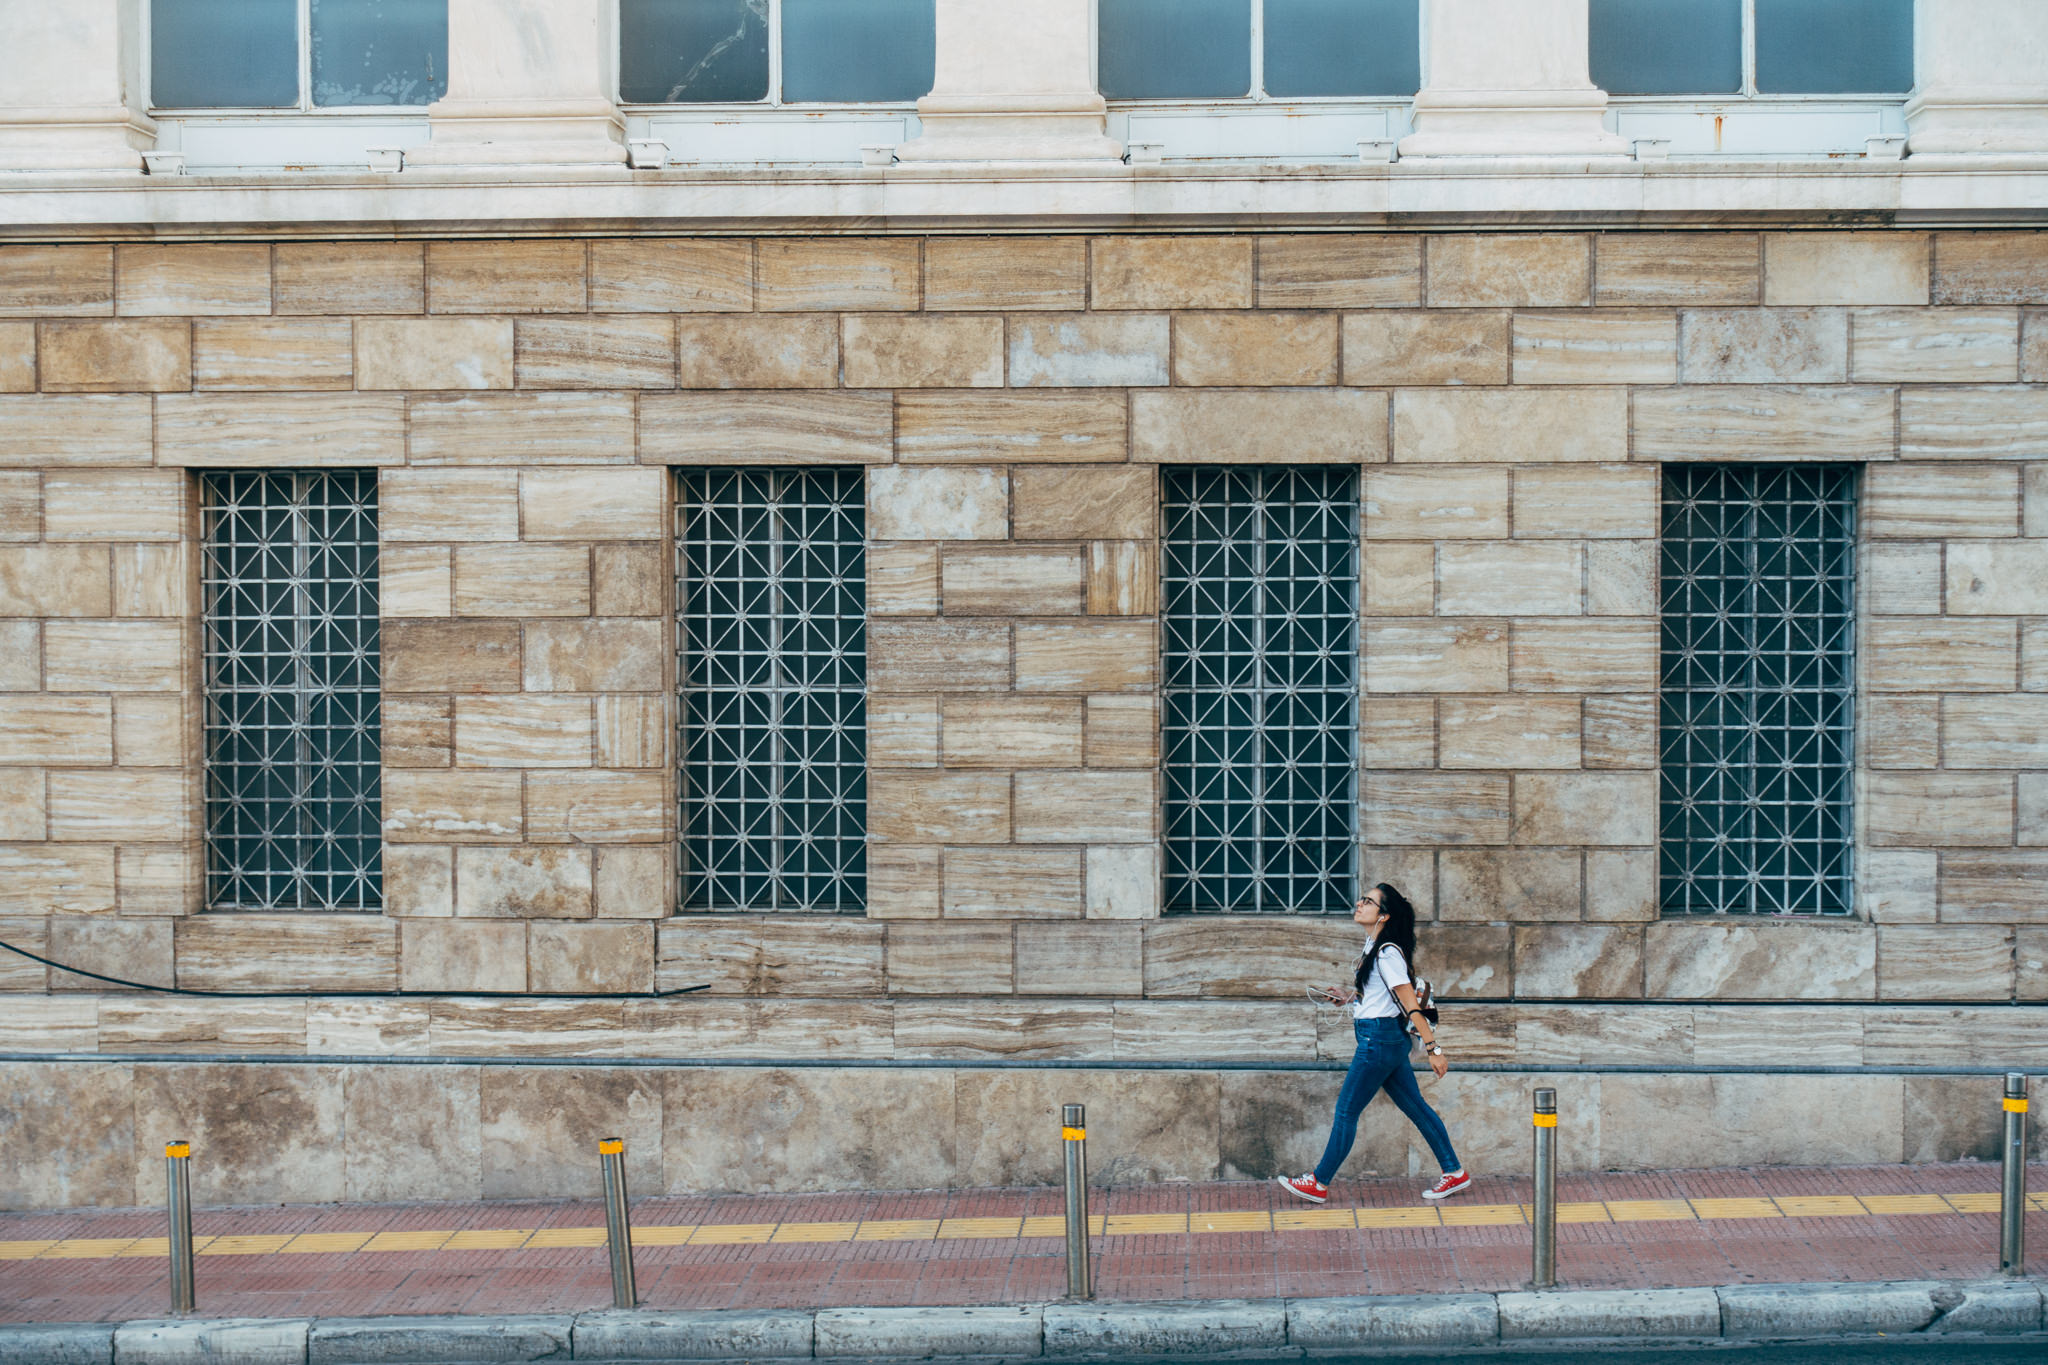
[{"x": 1381, "y": 1061}]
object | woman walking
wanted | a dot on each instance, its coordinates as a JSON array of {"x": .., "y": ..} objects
[{"x": 1382, "y": 1000}]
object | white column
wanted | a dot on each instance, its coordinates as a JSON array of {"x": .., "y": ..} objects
[
  {"x": 530, "y": 82},
  {"x": 1015, "y": 82},
  {"x": 71, "y": 86},
  {"x": 1508, "y": 78},
  {"x": 1981, "y": 78}
]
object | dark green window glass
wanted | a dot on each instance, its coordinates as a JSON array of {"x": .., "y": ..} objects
[
  {"x": 1666, "y": 47},
  {"x": 1174, "y": 49},
  {"x": 1343, "y": 47},
  {"x": 1259, "y": 625},
  {"x": 858, "y": 51},
  {"x": 223, "y": 54},
  {"x": 293, "y": 732},
  {"x": 693, "y": 51},
  {"x": 1759, "y": 696},
  {"x": 771, "y": 590},
  {"x": 372, "y": 52},
  {"x": 1834, "y": 47}
]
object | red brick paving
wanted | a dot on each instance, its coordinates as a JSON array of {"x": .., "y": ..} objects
[{"x": 1305, "y": 1262}]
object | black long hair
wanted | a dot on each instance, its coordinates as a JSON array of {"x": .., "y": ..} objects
[{"x": 1399, "y": 931}]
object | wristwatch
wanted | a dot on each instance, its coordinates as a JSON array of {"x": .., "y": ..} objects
[{"x": 1434, "y": 1050}]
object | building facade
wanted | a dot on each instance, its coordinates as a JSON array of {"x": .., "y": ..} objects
[{"x": 980, "y": 601}]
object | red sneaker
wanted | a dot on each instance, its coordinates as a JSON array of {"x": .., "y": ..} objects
[
  {"x": 1454, "y": 1182},
  {"x": 1305, "y": 1187}
]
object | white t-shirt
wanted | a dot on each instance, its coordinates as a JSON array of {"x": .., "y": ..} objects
[{"x": 1376, "y": 997}]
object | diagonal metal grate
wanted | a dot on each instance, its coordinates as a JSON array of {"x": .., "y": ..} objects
[
  {"x": 1759, "y": 696},
  {"x": 1260, "y": 696},
  {"x": 293, "y": 735},
  {"x": 771, "y": 592}
]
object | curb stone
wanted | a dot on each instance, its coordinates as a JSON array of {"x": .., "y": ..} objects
[
  {"x": 436, "y": 1340},
  {"x": 1002, "y": 1331},
  {"x": 57, "y": 1343},
  {"x": 1393, "y": 1320},
  {"x": 218, "y": 1341},
  {"x": 1990, "y": 1306},
  {"x": 1551, "y": 1314},
  {"x": 743, "y": 1334},
  {"x": 1212, "y": 1327},
  {"x": 1813, "y": 1310}
]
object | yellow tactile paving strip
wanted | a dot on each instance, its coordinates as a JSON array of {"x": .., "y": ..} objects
[{"x": 1010, "y": 1229}]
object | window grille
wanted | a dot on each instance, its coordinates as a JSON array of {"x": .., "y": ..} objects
[
  {"x": 1759, "y": 689},
  {"x": 771, "y": 590},
  {"x": 293, "y": 734},
  {"x": 1260, "y": 694}
]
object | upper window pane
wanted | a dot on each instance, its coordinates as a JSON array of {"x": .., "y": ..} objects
[
  {"x": 1834, "y": 47},
  {"x": 857, "y": 51},
  {"x": 693, "y": 51},
  {"x": 379, "y": 51},
  {"x": 1667, "y": 47},
  {"x": 1174, "y": 49},
  {"x": 224, "y": 54},
  {"x": 1342, "y": 47}
]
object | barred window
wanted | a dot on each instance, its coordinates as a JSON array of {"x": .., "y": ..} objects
[
  {"x": 771, "y": 590},
  {"x": 293, "y": 738},
  {"x": 1260, "y": 696},
  {"x": 1759, "y": 689}
]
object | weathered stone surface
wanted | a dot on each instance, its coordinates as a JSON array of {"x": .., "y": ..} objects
[
  {"x": 448, "y": 505},
  {"x": 1448, "y": 503},
  {"x": 112, "y": 357},
  {"x": 1143, "y": 1127},
  {"x": 1596, "y": 348},
  {"x": 1896, "y": 886},
  {"x": 903, "y": 580},
  {"x": 2033, "y": 810},
  {"x": 1512, "y": 426},
  {"x": 1936, "y": 345},
  {"x": 219, "y": 431},
  {"x": 973, "y": 1030},
  {"x": 1765, "y": 346},
  {"x": 1249, "y": 349},
  {"x": 1012, "y": 883},
  {"x": 113, "y": 656},
  {"x": 1993, "y": 888},
  {"x": 522, "y": 428},
  {"x": 1170, "y": 272},
  {"x": 590, "y": 959},
  {"x": 951, "y": 959},
  {"x": 272, "y": 353},
  {"x": 628, "y": 580},
  {"x": 24, "y": 807},
  {"x": 1088, "y": 807},
  {"x": 2034, "y": 346},
  {"x": 523, "y": 732},
  {"x": 1079, "y": 959},
  {"x": 595, "y": 353},
  {"x": 1259, "y": 426},
  {"x": 942, "y": 656},
  {"x": 1704, "y": 960},
  {"x": 449, "y": 656},
  {"x": 1620, "y": 732},
  {"x": 610, "y": 807},
  {"x": 1949, "y": 962},
  {"x": 522, "y": 883},
  {"x": 140, "y": 805},
  {"x": 43, "y": 879},
  {"x": 70, "y": 1131},
  {"x": 1901, "y": 732},
  {"x": 156, "y": 1024},
  {"x": 631, "y": 732},
  {"x": 1990, "y": 267},
  {"x": 1621, "y": 885},
  {"x": 1998, "y": 578},
  {"x": 287, "y": 952},
  {"x": 1399, "y": 578},
  {"x": 434, "y": 353},
  {"x": 1509, "y": 732},
  {"x": 21, "y": 506},
  {"x": 462, "y": 955},
  {"x": 61, "y": 281},
  {"x": 1926, "y": 501},
  {"x": 192, "y": 278},
  {"x": 760, "y": 352},
  {"x": 1436, "y": 808},
  {"x": 592, "y": 504},
  {"x": 2034, "y": 502},
  {"x": 913, "y": 807},
  {"x": 1775, "y": 422},
  {"x": 1511, "y": 578},
  {"x": 1086, "y": 350},
  {"x": 1846, "y": 267},
  {"x": 1363, "y": 270},
  {"x": 834, "y": 273},
  {"x": 643, "y": 276},
  {"x": 1398, "y": 732},
  {"x": 633, "y": 882},
  {"x": 1123, "y": 578},
  {"x": 798, "y": 1130},
  {"x": 938, "y": 504},
  {"x": 766, "y": 428},
  {"x": 537, "y": 276},
  {"x": 1466, "y": 346},
  {"x": 411, "y": 1132},
  {"x": 540, "y": 1127},
  {"x": 349, "y": 277},
  {"x": 1013, "y": 732},
  {"x": 522, "y": 580},
  {"x": 1938, "y": 810},
  {"x": 438, "y": 807},
  {"x": 136, "y": 950},
  {"x": 42, "y": 430},
  {"x": 1510, "y": 270},
  {"x": 1568, "y": 961},
  {"x": 1266, "y": 957},
  {"x": 1123, "y": 882},
  {"x": 17, "y": 357},
  {"x": 1995, "y": 732},
  {"x": 1087, "y": 656},
  {"x": 1088, "y": 503},
  {"x": 799, "y": 956},
  {"x": 1122, "y": 732},
  {"x": 123, "y": 505},
  {"x": 2004, "y": 422},
  {"x": 1902, "y": 579},
  {"x": 593, "y": 656},
  {"x": 1007, "y": 274},
  {"x": 1518, "y": 885},
  {"x": 1683, "y": 1313},
  {"x": 1643, "y": 268},
  {"x": 1622, "y": 578},
  {"x": 54, "y": 580},
  {"x": 419, "y": 881},
  {"x": 1007, "y": 580},
  {"x": 279, "y": 1151},
  {"x": 1027, "y": 427},
  {"x": 36, "y": 728},
  {"x": 1436, "y": 656},
  {"x": 922, "y": 352},
  {"x": 1585, "y": 656},
  {"x": 1940, "y": 654},
  {"x": 1586, "y": 808}
]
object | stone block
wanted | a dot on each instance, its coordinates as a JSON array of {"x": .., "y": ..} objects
[
  {"x": 1079, "y": 959},
  {"x": 594, "y": 656},
  {"x": 419, "y": 881},
  {"x": 797, "y": 351},
  {"x": 1449, "y": 503},
  {"x": 868, "y": 1332},
  {"x": 1767, "y": 422},
  {"x": 1350, "y": 270},
  {"x": 1013, "y": 732},
  {"x": 1621, "y": 885},
  {"x": 431, "y": 807},
  {"x": 629, "y": 276},
  {"x": 939, "y": 656},
  {"x": 1436, "y": 808},
  {"x": 1586, "y": 808},
  {"x": 1518, "y": 885},
  {"x": 273, "y": 353},
  {"x": 279, "y": 430},
  {"x": 1269, "y": 957},
  {"x": 21, "y": 974},
  {"x": 766, "y": 428},
  {"x": 159, "y": 879},
  {"x": 349, "y": 277},
  {"x": 1937, "y": 810},
  {"x": 21, "y": 507},
  {"x": 1846, "y": 268},
  {"x": 1620, "y": 731},
  {"x": 1936, "y": 345},
  {"x": 1398, "y": 732},
  {"x": 1123, "y": 882},
  {"x": 1416, "y": 1321},
  {"x": 54, "y": 580},
  {"x": 633, "y": 881},
  {"x": 628, "y": 580},
  {"x": 1510, "y": 426},
  {"x": 1998, "y": 578},
  {"x": 2034, "y": 346},
  {"x": 593, "y": 504},
  {"x": 1902, "y": 579},
  {"x": 36, "y": 728},
  {"x": 1990, "y": 267},
  {"x": 21, "y": 656},
  {"x": 609, "y": 807},
  {"x": 951, "y": 959},
  {"x": 1579, "y": 961},
  {"x": 1948, "y": 962},
  {"x": 1170, "y": 272},
  {"x": 137, "y": 950},
  {"x": 1622, "y": 578},
  {"x": 153, "y": 579},
  {"x": 48, "y": 879},
  {"x": 2030, "y": 962},
  {"x": 522, "y": 580},
  {"x": 114, "y": 505},
  {"x": 590, "y": 959},
  {"x": 903, "y": 580},
  {"x": 114, "y": 656},
  {"x": 24, "y": 806},
  {"x": 192, "y": 279},
  {"x": 1087, "y": 656},
  {"x": 922, "y": 352},
  {"x": 1940, "y": 653},
  {"x": 71, "y": 1132},
  {"x": 1222, "y": 1030},
  {"x": 450, "y": 656},
  {"x": 1511, "y": 578},
  {"x": 295, "y": 952},
  {"x": 1608, "y": 1313},
  {"x": 43, "y": 430},
  {"x": 17, "y": 357},
  {"x": 1436, "y": 656},
  {"x": 1095, "y": 807},
  {"x": 2033, "y": 809},
  {"x": 1027, "y": 427},
  {"x": 1465, "y": 346},
  {"x": 1995, "y": 732},
  {"x": 903, "y": 882},
  {"x": 1706, "y": 959},
  {"x": 1993, "y": 888},
  {"x": 523, "y": 732},
  {"x": 537, "y": 276},
  {"x": 1144, "y": 1127},
  {"x": 1009, "y": 580},
  {"x": 831, "y": 274},
  {"x": 1122, "y": 732},
  {"x": 1123, "y": 578},
  {"x": 448, "y": 505},
  {"x": 1013, "y": 883},
  {"x": 903, "y": 732},
  {"x": 409, "y": 1132},
  {"x": 595, "y": 353},
  {"x": 1931, "y": 501},
  {"x": 2001, "y": 422},
  {"x": 632, "y": 731},
  {"x": 2034, "y": 502},
  {"x": 539, "y": 1126},
  {"x": 1650, "y": 268},
  {"x": 115, "y": 357},
  {"x": 1090, "y": 350},
  {"x": 1761, "y": 1035},
  {"x": 1510, "y": 270},
  {"x": 809, "y": 955},
  {"x": 1399, "y": 578},
  {"x": 1005, "y": 274},
  {"x": 938, "y": 504},
  {"x": 921, "y": 807},
  {"x": 807, "y": 1131},
  {"x": 522, "y": 428},
  {"x": 1901, "y": 732},
  {"x": 1509, "y": 732},
  {"x": 1086, "y": 503},
  {"x": 972, "y": 1030},
  {"x": 1897, "y": 886},
  {"x": 1622, "y": 347},
  {"x": 61, "y": 281},
  {"x": 2034, "y": 656},
  {"x": 1412, "y": 870},
  {"x": 1765, "y": 346},
  {"x": 1259, "y": 426},
  {"x": 518, "y": 883},
  {"x": 1252, "y": 349},
  {"x": 1585, "y": 656}
]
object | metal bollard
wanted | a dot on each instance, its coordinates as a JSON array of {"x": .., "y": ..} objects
[
  {"x": 178, "y": 1181},
  {"x": 1543, "y": 1215},
  {"x": 1074, "y": 1131},
  {"x": 618, "y": 1229},
  {"x": 2012, "y": 1204}
]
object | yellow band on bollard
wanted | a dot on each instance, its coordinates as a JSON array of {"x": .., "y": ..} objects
[
  {"x": 1073, "y": 1134},
  {"x": 2013, "y": 1106},
  {"x": 177, "y": 1149},
  {"x": 1544, "y": 1120},
  {"x": 611, "y": 1147}
]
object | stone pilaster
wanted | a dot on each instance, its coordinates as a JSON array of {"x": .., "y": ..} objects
[
  {"x": 71, "y": 86},
  {"x": 530, "y": 82},
  {"x": 1014, "y": 83},
  {"x": 1508, "y": 78},
  {"x": 1982, "y": 84}
]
